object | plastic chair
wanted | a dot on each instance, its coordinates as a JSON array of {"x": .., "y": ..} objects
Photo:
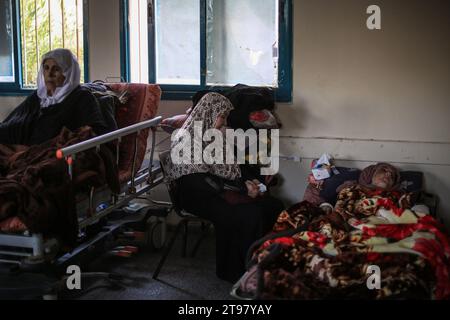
[{"x": 186, "y": 218}]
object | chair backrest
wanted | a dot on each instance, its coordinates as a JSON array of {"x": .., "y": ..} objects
[
  {"x": 172, "y": 186},
  {"x": 143, "y": 102}
]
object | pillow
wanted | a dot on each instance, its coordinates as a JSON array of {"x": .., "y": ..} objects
[
  {"x": 411, "y": 181},
  {"x": 263, "y": 119},
  {"x": 171, "y": 124},
  {"x": 329, "y": 186}
]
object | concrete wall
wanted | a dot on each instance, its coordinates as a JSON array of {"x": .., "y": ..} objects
[
  {"x": 104, "y": 41},
  {"x": 367, "y": 96},
  {"x": 363, "y": 96}
]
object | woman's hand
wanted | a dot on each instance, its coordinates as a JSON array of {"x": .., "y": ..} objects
[{"x": 253, "y": 189}]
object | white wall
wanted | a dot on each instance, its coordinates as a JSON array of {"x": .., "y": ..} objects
[
  {"x": 368, "y": 96},
  {"x": 7, "y": 104},
  {"x": 350, "y": 82},
  {"x": 361, "y": 95},
  {"x": 104, "y": 41}
]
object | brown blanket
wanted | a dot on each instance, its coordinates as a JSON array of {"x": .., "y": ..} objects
[{"x": 35, "y": 186}]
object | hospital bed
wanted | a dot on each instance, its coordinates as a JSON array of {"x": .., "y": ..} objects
[{"x": 138, "y": 174}]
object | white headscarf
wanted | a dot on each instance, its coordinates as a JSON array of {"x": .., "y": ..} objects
[{"x": 71, "y": 70}]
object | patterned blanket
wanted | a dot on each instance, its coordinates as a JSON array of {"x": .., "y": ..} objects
[
  {"x": 35, "y": 186},
  {"x": 370, "y": 235}
]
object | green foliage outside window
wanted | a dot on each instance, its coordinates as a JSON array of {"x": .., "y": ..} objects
[{"x": 47, "y": 25}]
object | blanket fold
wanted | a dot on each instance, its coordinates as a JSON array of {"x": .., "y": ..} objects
[
  {"x": 36, "y": 187},
  {"x": 333, "y": 257}
]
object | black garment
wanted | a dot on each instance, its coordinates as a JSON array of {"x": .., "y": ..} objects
[
  {"x": 108, "y": 101},
  {"x": 237, "y": 226},
  {"x": 29, "y": 124},
  {"x": 245, "y": 100}
]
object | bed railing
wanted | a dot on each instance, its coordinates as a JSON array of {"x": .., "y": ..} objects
[
  {"x": 33, "y": 247},
  {"x": 70, "y": 154}
]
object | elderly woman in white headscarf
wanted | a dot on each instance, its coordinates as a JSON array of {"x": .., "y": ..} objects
[{"x": 58, "y": 102}]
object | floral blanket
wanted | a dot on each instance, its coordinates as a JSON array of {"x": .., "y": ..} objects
[{"x": 312, "y": 255}]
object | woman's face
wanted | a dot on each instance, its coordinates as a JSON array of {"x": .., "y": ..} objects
[
  {"x": 53, "y": 76},
  {"x": 383, "y": 179},
  {"x": 221, "y": 121}
]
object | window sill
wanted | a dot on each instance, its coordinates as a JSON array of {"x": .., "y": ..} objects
[
  {"x": 15, "y": 93},
  {"x": 177, "y": 95}
]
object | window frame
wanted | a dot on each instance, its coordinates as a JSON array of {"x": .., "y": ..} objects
[
  {"x": 185, "y": 92},
  {"x": 15, "y": 88}
]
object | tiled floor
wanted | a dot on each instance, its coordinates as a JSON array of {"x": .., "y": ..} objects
[{"x": 180, "y": 279}]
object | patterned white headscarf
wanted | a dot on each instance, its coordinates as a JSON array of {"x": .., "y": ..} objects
[
  {"x": 206, "y": 111},
  {"x": 71, "y": 70}
]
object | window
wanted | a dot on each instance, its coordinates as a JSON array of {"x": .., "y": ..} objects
[
  {"x": 177, "y": 42},
  {"x": 198, "y": 44},
  {"x": 6, "y": 39},
  {"x": 30, "y": 28}
]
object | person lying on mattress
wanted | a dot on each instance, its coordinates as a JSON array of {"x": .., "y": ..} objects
[
  {"x": 202, "y": 191},
  {"x": 59, "y": 101},
  {"x": 311, "y": 254},
  {"x": 379, "y": 180}
]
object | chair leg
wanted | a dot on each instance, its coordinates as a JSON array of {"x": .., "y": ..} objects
[
  {"x": 168, "y": 248},
  {"x": 185, "y": 238},
  {"x": 200, "y": 239}
]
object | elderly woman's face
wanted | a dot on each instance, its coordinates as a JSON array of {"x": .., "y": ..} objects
[
  {"x": 53, "y": 76},
  {"x": 383, "y": 179}
]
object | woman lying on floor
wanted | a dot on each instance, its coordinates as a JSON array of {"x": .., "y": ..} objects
[
  {"x": 58, "y": 102},
  {"x": 327, "y": 255},
  {"x": 378, "y": 180},
  {"x": 201, "y": 186}
]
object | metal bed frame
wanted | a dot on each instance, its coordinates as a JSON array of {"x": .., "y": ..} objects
[{"x": 32, "y": 249}]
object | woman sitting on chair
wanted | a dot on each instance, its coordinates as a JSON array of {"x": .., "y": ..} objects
[
  {"x": 202, "y": 187},
  {"x": 58, "y": 102}
]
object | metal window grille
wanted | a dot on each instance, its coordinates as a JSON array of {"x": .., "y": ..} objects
[{"x": 46, "y": 25}]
